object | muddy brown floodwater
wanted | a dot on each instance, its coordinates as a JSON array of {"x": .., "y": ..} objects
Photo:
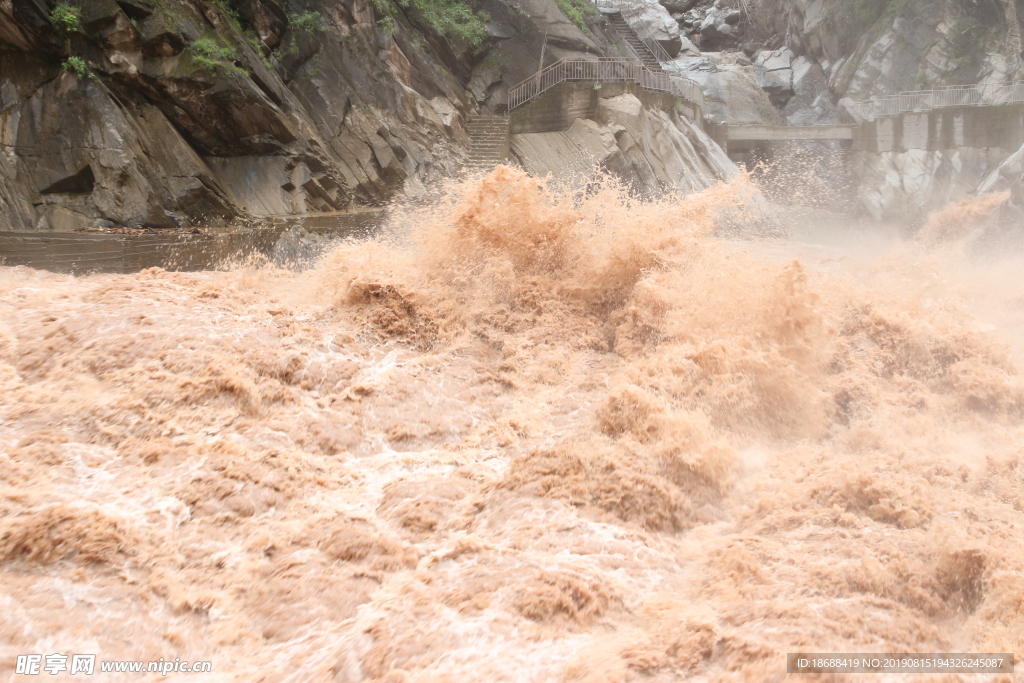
[{"x": 539, "y": 438}]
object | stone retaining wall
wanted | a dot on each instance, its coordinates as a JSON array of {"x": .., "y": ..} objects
[
  {"x": 558, "y": 108},
  {"x": 939, "y": 129}
]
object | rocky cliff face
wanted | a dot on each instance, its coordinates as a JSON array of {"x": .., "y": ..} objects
[
  {"x": 872, "y": 48},
  {"x": 650, "y": 149},
  {"x": 172, "y": 113},
  {"x": 804, "y": 62},
  {"x": 880, "y": 47},
  {"x": 178, "y": 113}
]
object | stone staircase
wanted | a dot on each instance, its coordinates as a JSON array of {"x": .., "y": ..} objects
[
  {"x": 490, "y": 140},
  {"x": 623, "y": 28}
]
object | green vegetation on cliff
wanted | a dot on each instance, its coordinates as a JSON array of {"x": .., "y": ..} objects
[
  {"x": 455, "y": 20},
  {"x": 578, "y": 11},
  {"x": 310, "y": 22},
  {"x": 214, "y": 58},
  {"x": 66, "y": 18},
  {"x": 77, "y": 66}
]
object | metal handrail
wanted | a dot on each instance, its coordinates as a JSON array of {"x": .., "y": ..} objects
[
  {"x": 632, "y": 16},
  {"x": 981, "y": 95},
  {"x": 604, "y": 70}
]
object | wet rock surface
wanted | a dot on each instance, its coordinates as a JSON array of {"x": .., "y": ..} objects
[
  {"x": 805, "y": 62},
  {"x": 192, "y": 113},
  {"x": 648, "y": 149}
]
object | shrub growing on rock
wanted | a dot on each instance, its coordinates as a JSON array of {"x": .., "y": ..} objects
[
  {"x": 66, "y": 18},
  {"x": 77, "y": 66},
  {"x": 210, "y": 56}
]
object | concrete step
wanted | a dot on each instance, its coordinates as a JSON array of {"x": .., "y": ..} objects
[
  {"x": 622, "y": 26},
  {"x": 489, "y": 136}
]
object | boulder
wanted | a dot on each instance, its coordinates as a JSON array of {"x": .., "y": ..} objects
[
  {"x": 775, "y": 74},
  {"x": 811, "y": 103},
  {"x": 687, "y": 48},
  {"x": 775, "y": 60},
  {"x": 733, "y": 94},
  {"x": 718, "y": 28},
  {"x": 678, "y": 6}
]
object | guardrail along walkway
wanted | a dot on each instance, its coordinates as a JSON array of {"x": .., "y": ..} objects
[
  {"x": 769, "y": 133},
  {"x": 629, "y": 14},
  {"x": 940, "y": 98},
  {"x": 637, "y": 46},
  {"x": 604, "y": 70}
]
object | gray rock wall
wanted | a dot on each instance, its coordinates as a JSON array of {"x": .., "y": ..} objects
[
  {"x": 186, "y": 115},
  {"x": 804, "y": 61},
  {"x": 648, "y": 146}
]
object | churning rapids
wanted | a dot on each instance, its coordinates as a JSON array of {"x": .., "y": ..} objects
[{"x": 536, "y": 437}]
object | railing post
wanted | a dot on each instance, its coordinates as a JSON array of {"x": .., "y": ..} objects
[
  {"x": 978, "y": 95},
  {"x": 603, "y": 70}
]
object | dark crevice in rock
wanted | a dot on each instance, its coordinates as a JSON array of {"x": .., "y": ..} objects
[
  {"x": 135, "y": 10},
  {"x": 267, "y": 90},
  {"x": 164, "y": 45},
  {"x": 79, "y": 183}
]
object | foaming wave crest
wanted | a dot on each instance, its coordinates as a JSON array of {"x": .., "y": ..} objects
[{"x": 528, "y": 434}]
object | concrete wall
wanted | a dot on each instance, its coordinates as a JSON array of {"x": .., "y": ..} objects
[
  {"x": 558, "y": 108},
  {"x": 940, "y": 129}
]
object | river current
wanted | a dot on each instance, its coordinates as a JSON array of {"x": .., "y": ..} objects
[{"x": 526, "y": 435}]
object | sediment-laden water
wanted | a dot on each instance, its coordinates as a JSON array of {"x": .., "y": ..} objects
[{"x": 530, "y": 437}]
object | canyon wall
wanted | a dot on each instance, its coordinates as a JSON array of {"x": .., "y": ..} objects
[
  {"x": 175, "y": 113},
  {"x": 807, "y": 62}
]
